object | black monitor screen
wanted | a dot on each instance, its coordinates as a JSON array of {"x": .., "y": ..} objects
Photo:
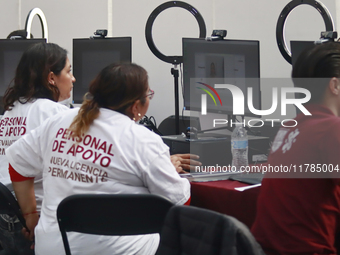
[
  {"x": 297, "y": 47},
  {"x": 90, "y": 56},
  {"x": 206, "y": 63},
  {"x": 10, "y": 54}
]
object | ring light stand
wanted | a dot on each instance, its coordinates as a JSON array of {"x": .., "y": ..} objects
[
  {"x": 281, "y": 42},
  {"x": 43, "y": 22},
  {"x": 175, "y": 60}
]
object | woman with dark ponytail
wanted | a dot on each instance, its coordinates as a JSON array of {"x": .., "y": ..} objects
[
  {"x": 130, "y": 95},
  {"x": 42, "y": 78},
  {"x": 97, "y": 149}
]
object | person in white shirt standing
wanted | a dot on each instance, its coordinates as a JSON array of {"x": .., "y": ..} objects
[
  {"x": 43, "y": 77},
  {"x": 96, "y": 149}
]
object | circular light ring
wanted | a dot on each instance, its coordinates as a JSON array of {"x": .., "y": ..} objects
[
  {"x": 151, "y": 19},
  {"x": 43, "y": 22},
  {"x": 281, "y": 42}
]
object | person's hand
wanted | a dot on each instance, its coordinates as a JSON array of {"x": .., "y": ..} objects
[
  {"x": 184, "y": 162},
  {"x": 31, "y": 222}
]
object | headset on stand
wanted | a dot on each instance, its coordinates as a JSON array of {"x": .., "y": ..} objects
[{"x": 150, "y": 123}]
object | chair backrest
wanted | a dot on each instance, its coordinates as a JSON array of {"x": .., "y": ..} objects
[
  {"x": 9, "y": 205},
  {"x": 116, "y": 214},
  {"x": 195, "y": 231},
  {"x": 168, "y": 125}
]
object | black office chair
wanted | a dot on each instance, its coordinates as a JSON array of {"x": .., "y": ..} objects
[
  {"x": 121, "y": 214},
  {"x": 195, "y": 231},
  {"x": 9, "y": 205},
  {"x": 168, "y": 125}
]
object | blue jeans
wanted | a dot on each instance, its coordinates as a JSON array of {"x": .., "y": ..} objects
[{"x": 12, "y": 240}]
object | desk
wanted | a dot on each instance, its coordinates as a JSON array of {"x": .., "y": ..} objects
[{"x": 221, "y": 196}]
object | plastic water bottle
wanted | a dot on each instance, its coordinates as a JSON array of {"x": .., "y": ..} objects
[{"x": 239, "y": 147}]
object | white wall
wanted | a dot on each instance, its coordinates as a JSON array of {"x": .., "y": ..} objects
[{"x": 244, "y": 19}]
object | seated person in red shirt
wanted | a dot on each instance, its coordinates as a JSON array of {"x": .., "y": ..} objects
[{"x": 302, "y": 215}]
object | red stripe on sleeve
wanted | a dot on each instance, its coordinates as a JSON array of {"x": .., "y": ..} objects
[
  {"x": 188, "y": 202},
  {"x": 15, "y": 176}
]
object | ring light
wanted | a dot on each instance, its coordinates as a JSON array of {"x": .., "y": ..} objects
[
  {"x": 175, "y": 60},
  {"x": 148, "y": 29},
  {"x": 43, "y": 22},
  {"x": 281, "y": 42}
]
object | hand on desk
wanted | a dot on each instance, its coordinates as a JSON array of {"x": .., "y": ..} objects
[{"x": 184, "y": 162}]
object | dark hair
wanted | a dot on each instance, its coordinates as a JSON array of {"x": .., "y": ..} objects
[
  {"x": 22, "y": 33},
  {"x": 31, "y": 76},
  {"x": 116, "y": 87},
  {"x": 315, "y": 67}
]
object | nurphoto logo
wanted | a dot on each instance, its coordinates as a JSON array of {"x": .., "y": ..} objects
[
  {"x": 239, "y": 103},
  {"x": 204, "y": 97}
]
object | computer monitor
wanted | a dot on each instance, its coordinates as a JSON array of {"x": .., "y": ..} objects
[
  {"x": 235, "y": 62},
  {"x": 90, "y": 56},
  {"x": 10, "y": 55},
  {"x": 297, "y": 47}
]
